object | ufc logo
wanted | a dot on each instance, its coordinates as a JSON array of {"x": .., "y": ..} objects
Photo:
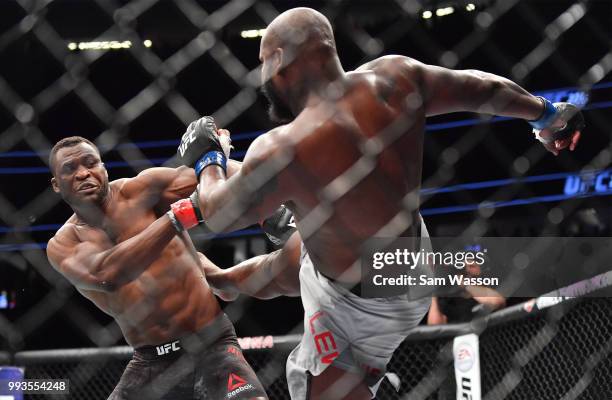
[
  {"x": 166, "y": 348},
  {"x": 466, "y": 388},
  {"x": 186, "y": 140}
]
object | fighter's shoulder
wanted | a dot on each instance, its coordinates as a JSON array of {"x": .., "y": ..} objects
[
  {"x": 66, "y": 236},
  {"x": 267, "y": 145},
  {"x": 393, "y": 63}
]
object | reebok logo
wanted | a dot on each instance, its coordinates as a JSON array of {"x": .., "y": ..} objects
[
  {"x": 167, "y": 348},
  {"x": 236, "y": 384}
]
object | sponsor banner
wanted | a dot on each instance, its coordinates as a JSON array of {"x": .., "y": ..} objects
[
  {"x": 256, "y": 342},
  {"x": 512, "y": 266},
  {"x": 467, "y": 367},
  {"x": 589, "y": 182}
]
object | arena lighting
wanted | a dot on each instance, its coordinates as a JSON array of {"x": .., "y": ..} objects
[
  {"x": 252, "y": 33},
  {"x": 470, "y": 7},
  {"x": 105, "y": 45},
  {"x": 440, "y": 12}
]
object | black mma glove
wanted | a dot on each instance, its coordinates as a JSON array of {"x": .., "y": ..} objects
[
  {"x": 561, "y": 119},
  {"x": 200, "y": 146},
  {"x": 279, "y": 226}
]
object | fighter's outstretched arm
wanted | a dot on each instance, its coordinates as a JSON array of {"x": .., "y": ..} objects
[
  {"x": 253, "y": 193},
  {"x": 442, "y": 90},
  {"x": 164, "y": 185},
  {"x": 98, "y": 264},
  {"x": 446, "y": 91},
  {"x": 264, "y": 277}
]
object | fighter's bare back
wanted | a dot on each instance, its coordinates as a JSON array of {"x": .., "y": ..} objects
[{"x": 327, "y": 139}]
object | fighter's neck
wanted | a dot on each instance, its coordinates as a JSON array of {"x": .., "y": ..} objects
[
  {"x": 94, "y": 214},
  {"x": 329, "y": 83}
]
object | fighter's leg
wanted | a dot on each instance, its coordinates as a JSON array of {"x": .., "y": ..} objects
[
  {"x": 338, "y": 384},
  {"x": 223, "y": 373}
]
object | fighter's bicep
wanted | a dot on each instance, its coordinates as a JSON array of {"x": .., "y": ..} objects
[
  {"x": 446, "y": 90},
  {"x": 77, "y": 261},
  {"x": 162, "y": 186},
  {"x": 263, "y": 181},
  {"x": 182, "y": 185}
]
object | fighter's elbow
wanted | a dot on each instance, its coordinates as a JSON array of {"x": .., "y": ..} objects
[
  {"x": 105, "y": 282},
  {"x": 109, "y": 278},
  {"x": 108, "y": 286},
  {"x": 97, "y": 283}
]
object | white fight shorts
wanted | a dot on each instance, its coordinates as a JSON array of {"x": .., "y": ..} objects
[{"x": 355, "y": 334}]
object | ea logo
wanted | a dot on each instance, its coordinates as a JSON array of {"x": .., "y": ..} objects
[{"x": 464, "y": 357}]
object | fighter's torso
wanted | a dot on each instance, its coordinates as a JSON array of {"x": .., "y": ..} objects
[
  {"x": 170, "y": 298},
  {"x": 360, "y": 170}
]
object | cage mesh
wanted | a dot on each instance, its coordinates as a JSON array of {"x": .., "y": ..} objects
[{"x": 563, "y": 355}]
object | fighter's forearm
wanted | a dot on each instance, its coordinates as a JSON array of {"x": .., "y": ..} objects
[
  {"x": 224, "y": 209},
  {"x": 446, "y": 91},
  {"x": 255, "y": 277},
  {"x": 503, "y": 97},
  {"x": 125, "y": 261}
]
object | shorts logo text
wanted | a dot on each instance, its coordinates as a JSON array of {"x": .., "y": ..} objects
[
  {"x": 236, "y": 384},
  {"x": 324, "y": 341},
  {"x": 167, "y": 348}
]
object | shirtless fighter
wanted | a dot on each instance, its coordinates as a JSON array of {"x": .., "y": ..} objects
[
  {"x": 129, "y": 255},
  {"x": 347, "y": 162}
]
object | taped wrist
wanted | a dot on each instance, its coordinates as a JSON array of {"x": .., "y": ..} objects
[
  {"x": 184, "y": 214},
  {"x": 211, "y": 158},
  {"x": 547, "y": 117}
]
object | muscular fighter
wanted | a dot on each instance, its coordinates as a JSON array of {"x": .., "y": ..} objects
[
  {"x": 123, "y": 250},
  {"x": 347, "y": 162}
]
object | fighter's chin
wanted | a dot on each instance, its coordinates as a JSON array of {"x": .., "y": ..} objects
[
  {"x": 276, "y": 116},
  {"x": 278, "y": 111},
  {"x": 93, "y": 195}
]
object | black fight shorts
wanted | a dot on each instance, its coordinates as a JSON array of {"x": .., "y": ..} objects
[{"x": 206, "y": 365}]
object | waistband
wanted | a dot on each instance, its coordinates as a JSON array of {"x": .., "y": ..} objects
[
  {"x": 356, "y": 288},
  {"x": 218, "y": 330}
]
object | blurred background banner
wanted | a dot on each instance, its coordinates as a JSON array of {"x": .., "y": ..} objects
[{"x": 130, "y": 75}]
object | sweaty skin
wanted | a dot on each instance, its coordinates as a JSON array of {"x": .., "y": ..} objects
[
  {"x": 122, "y": 252},
  {"x": 314, "y": 163}
]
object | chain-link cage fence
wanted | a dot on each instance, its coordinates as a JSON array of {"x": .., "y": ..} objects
[
  {"x": 563, "y": 353},
  {"x": 130, "y": 75}
]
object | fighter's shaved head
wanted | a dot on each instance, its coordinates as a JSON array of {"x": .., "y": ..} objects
[
  {"x": 299, "y": 59},
  {"x": 299, "y": 29}
]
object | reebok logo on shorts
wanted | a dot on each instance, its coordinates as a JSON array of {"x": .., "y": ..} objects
[{"x": 236, "y": 385}]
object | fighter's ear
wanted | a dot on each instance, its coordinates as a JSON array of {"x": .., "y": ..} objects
[
  {"x": 54, "y": 185},
  {"x": 278, "y": 60}
]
